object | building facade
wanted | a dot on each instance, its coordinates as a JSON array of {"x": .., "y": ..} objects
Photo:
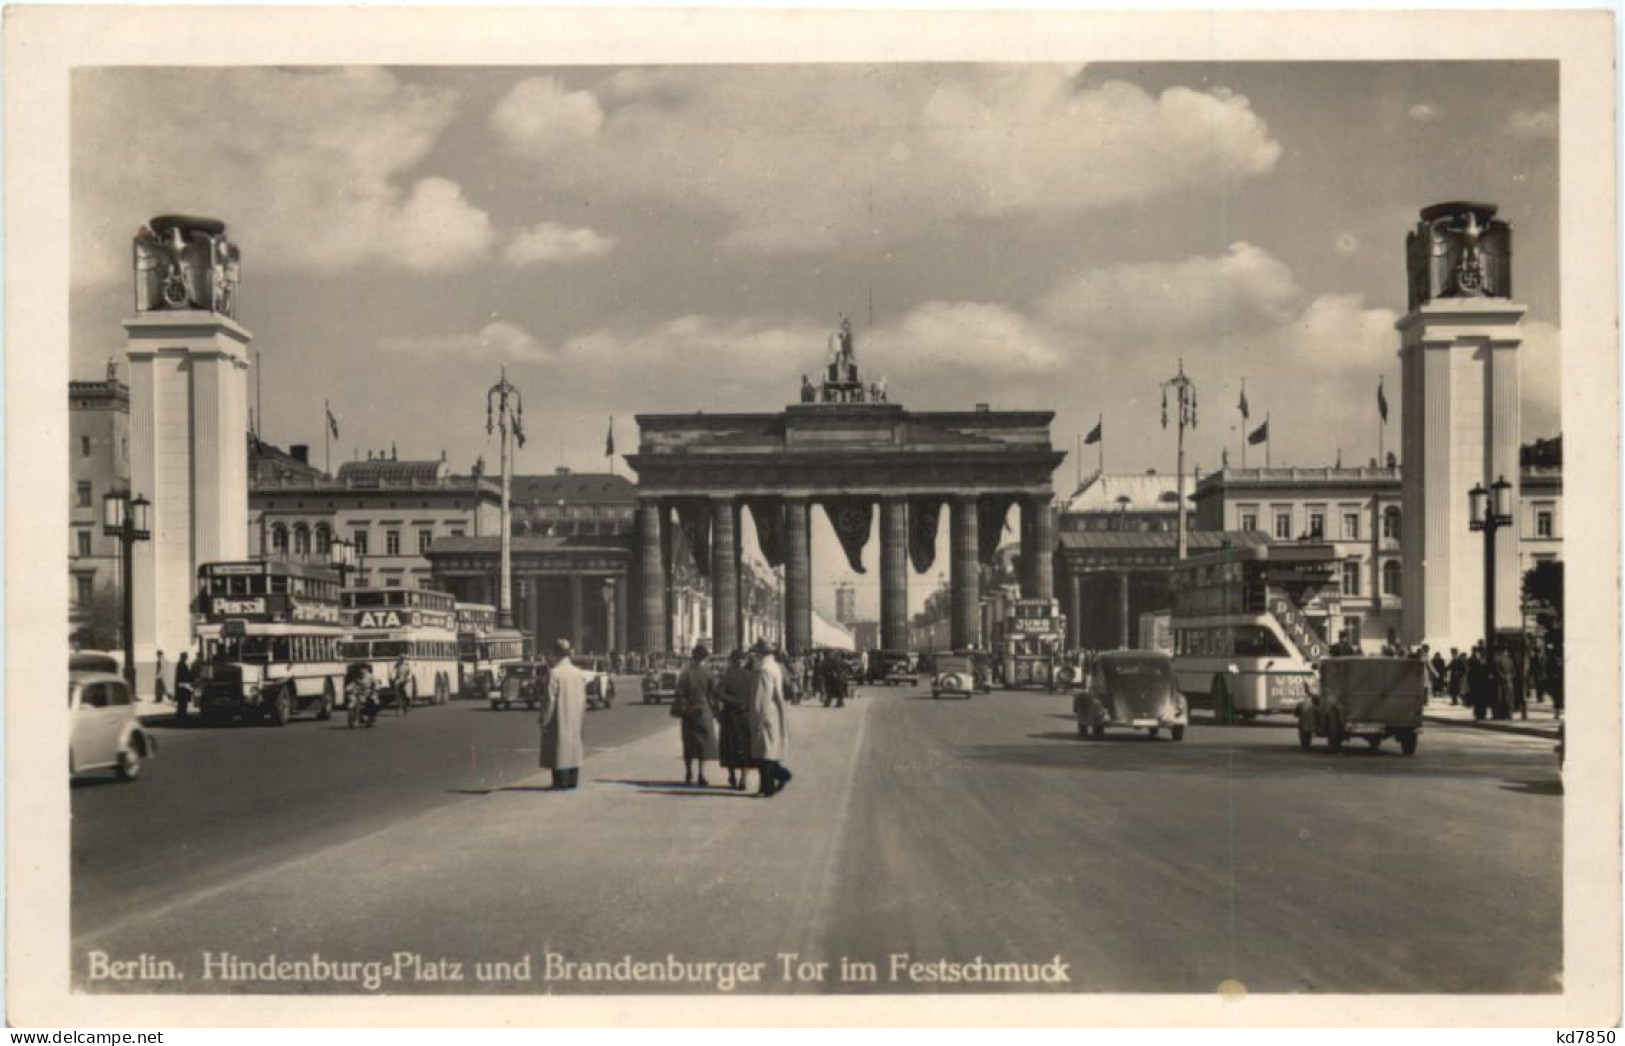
[
  {"x": 392, "y": 512},
  {"x": 1355, "y": 510},
  {"x": 98, "y": 462}
]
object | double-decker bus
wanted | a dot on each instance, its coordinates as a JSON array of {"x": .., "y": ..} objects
[
  {"x": 386, "y": 624},
  {"x": 483, "y": 650},
  {"x": 269, "y": 634},
  {"x": 1249, "y": 626},
  {"x": 1033, "y": 642}
]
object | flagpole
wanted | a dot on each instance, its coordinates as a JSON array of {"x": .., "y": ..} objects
[
  {"x": 1382, "y": 426},
  {"x": 1100, "y": 421},
  {"x": 1080, "y": 459},
  {"x": 1244, "y": 420},
  {"x": 1269, "y": 437},
  {"x": 327, "y": 436}
]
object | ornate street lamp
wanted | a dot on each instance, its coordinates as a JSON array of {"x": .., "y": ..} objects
[
  {"x": 1185, "y": 403},
  {"x": 1489, "y": 511},
  {"x": 341, "y": 557},
  {"x": 129, "y": 521}
]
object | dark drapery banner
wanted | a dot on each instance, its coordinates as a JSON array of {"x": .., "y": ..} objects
[
  {"x": 769, "y": 516},
  {"x": 991, "y": 511},
  {"x": 694, "y": 517},
  {"x": 923, "y": 514},
  {"x": 852, "y": 519}
]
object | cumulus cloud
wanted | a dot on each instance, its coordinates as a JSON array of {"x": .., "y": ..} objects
[
  {"x": 1533, "y": 123},
  {"x": 497, "y": 340},
  {"x": 549, "y": 241},
  {"x": 838, "y": 152},
  {"x": 1196, "y": 297},
  {"x": 310, "y": 169},
  {"x": 1425, "y": 112}
]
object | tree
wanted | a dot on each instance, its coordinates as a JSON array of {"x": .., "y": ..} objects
[
  {"x": 1543, "y": 588},
  {"x": 100, "y": 621}
]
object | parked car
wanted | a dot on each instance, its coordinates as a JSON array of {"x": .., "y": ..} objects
[
  {"x": 104, "y": 732},
  {"x": 660, "y": 684},
  {"x": 521, "y": 683},
  {"x": 890, "y": 667},
  {"x": 1135, "y": 689},
  {"x": 956, "y": 674},
  {"x": 600, "y": 684},
  {"x": 1372, "y": 698}
]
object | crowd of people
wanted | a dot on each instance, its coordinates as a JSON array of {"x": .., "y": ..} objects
[{"x": 738, "y": 719}]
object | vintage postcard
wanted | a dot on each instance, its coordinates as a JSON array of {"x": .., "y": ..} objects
[{"x": 810, "y": 516}]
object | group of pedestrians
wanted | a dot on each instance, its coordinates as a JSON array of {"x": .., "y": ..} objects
[
  {"x": 1496, "y": 688},
  {"x": 738, "y": 720}
]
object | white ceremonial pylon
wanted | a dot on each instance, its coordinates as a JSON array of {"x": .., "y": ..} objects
[
  {"x": 188, "y": 367},
  {"x": 1459, "y": 423}
]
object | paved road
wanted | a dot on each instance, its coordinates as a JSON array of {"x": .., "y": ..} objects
[
  {"x": 220, "y": 803},
  {"x": 949, "y": 830}
]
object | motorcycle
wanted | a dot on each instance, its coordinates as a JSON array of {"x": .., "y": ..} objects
[{"x": 363, "y": 702}]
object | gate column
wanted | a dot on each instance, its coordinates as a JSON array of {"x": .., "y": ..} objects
[
  {"x": 1074, "y": 611},
  {"x": 651, "y": 578},
  {"x": 1122, "y": 612},
  {"x": 894, "y": 574},
  {"x": 724, "y": 574},
  {"x": 797, "y": 578},
  {"x": 1037, "y": 547},
  {"x": 964, "y": 571}
]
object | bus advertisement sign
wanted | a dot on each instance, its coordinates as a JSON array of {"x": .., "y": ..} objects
[
  {"x": 250, "y": 607},
  {"x": 1296, "y": 625},
  {"x": 381, "y": 619},
  {"x": 1288, "y": 688},
  {"x": 315, "y": 613}
]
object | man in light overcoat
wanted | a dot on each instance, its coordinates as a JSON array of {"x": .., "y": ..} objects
[
  {"x": 769, "y": 721},
  {"x": 563, "y": 708}
]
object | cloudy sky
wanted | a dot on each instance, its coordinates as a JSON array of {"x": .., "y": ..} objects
[{"x": 682, "y": 238}]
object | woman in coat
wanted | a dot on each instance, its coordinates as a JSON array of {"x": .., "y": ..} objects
[
  {"x": 769, "y": 722},
  {"x": 733, "y": 719},
  {"x": 692, "y": 705}
]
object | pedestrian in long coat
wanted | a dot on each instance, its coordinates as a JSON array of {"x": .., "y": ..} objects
[
  {"x": 564, "y": 706},
  {"x": 696, "y": 690},
  {"x": 769, "y": 722},
  {"x": 733, "y": 719}
]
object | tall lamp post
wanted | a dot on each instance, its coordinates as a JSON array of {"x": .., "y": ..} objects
[
  {"x": 505, "y": 412},
  {"x": 1489, "y": 511},
  {"x": 1185, "y": 401},
  {"x": 129, "y": 520}
]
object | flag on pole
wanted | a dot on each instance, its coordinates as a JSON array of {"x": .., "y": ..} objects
[
  {"x": 1261, "y": 434},
  {"x": 1382, "y": 401},
  {"x": 1242, "y": 406},
  {"x": 609, "y": 440},
  {"x": 1094, "y": 435},
  {"x": 332, "y": 422}
]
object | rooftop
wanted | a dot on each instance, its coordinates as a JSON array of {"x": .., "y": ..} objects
[
  {"x": 573, "y": 486},
  {"x": 1145, "y": 491}
]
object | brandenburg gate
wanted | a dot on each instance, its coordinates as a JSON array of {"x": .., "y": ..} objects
[{"x": 843, "y": 448}]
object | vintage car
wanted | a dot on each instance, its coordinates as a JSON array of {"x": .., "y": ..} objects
[
  {"x": 1070, "y": 673},
  {"x": 1134, "y": 689},
  {"x": 522, "y": 682},
  {"x": 660, "y": 684},
  {"x": 600, "y": 684},
  {"x": 104, "y": 732},
  {"x": 1372, "y": 698},
  {"x": 955, "y": 674},
  {"x": 891, "y": 667}
]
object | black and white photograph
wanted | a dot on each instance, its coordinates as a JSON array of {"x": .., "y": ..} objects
[{"x": 578, "y": 510}]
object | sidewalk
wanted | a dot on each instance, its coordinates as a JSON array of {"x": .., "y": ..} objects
[{"x": 1542, "y": 721}]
